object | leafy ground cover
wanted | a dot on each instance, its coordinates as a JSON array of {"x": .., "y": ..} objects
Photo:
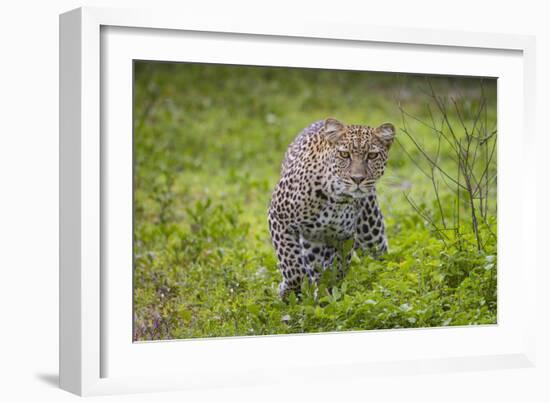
[{"x": 208, "y": 143}]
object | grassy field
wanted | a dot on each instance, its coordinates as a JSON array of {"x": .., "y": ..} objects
[{"x": 208, "y": 143}]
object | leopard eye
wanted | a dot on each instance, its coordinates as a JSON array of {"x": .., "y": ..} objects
[
  {"x": 372, "y": 156},
  {"x": 343, "y": 154}
]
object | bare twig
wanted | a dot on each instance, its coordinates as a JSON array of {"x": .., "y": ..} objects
[{"x": 471, "y": 191}]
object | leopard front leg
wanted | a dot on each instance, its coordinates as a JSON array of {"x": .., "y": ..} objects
[
  {"x": 317, "y": 257},
  {"x": 286, "y": 242},
  {"x": 370, "y": 234}
]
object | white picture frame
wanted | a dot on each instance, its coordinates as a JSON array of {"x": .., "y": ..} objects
[{"x": 97, "y": 355}]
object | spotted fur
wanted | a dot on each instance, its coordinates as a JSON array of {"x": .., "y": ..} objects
[{"x": 326, "y": 195}]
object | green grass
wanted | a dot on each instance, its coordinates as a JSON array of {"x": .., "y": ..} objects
[{"x": 208, "y": 143}]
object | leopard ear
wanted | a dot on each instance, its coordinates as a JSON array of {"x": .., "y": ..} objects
[
  {"x": 385, "y": 133},
  {"x": 334, "y": 130}
]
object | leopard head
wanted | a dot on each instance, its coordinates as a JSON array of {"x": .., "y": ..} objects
[{"x": 356, "y": 157}]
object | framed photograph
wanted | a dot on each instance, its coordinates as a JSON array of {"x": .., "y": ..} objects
[{"x": 246, "y": 203}]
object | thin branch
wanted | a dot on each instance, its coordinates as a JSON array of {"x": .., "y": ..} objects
[
  {"x": 426, "y": 218},
  {"x": 429, "y": 159}
]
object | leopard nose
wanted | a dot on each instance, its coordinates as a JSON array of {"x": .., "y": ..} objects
[{"x": 358, "y": 178}]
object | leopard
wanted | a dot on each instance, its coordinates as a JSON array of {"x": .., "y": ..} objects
[{"x": 326, "y": 198}]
